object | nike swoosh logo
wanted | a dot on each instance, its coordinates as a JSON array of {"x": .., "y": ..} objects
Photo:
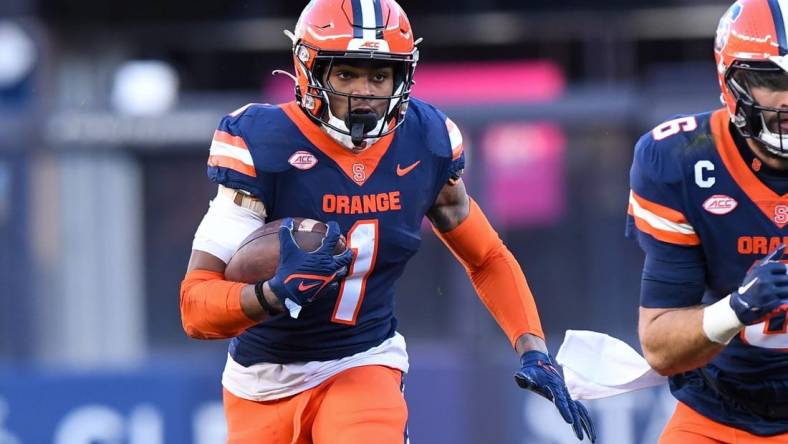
[
  {"x": 743, "y": 289},
  {"x": 302, "y": 287},
  {"x": 403, "y": 171}
]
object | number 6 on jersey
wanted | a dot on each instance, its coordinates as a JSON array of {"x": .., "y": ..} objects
[{"x": 362, "y": 239}]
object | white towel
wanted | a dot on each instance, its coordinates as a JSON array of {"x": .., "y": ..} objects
[{"x": 599, "y": 366}]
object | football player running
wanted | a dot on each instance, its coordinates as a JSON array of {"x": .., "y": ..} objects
[
  {"x": 709, "y": 205},
  {"x": 324, "y": 363}
]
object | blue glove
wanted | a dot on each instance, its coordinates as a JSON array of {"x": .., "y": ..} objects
[
  {"x": 539, "y": 375},
  {"x": 764, "y": 291},
  {"x": 303, "y": 276}
]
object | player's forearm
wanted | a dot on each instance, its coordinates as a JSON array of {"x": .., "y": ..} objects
[
  {"x": 212, "y": 308},
  {"x": 674, "y": 341},
  {"x": 503, "y": 289},
  {"x": 496, "y": 276},
  {"x": 251, "y": 305}
]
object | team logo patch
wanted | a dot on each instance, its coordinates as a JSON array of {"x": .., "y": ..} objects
[
  {"x": 724, "y": 28},
  {"x": 303, "y": 160},
  {"x": 373, "y": 45},
  {"x": 368, "y": 45},
  {"x": 403, "y": 171},
  {"x": 720, "y": 204}
]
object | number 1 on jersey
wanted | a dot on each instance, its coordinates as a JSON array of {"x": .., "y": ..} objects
[
  {"x": 362, "y": 239},
  {"x": 771, "y": 333}
]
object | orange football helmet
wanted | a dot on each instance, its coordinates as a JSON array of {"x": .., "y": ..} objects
[
  {"x": 751, "y": 50},
  {"x": 375, "y": 30}
]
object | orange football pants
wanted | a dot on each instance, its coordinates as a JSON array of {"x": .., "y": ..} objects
[
  {"x": 687, "y": 426},
  {"x": 360, "y": 405}
]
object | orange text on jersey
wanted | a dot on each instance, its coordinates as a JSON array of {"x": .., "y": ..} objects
[
  {"x": 760, "y": 245},
  {"x": 367, "y": 203}
]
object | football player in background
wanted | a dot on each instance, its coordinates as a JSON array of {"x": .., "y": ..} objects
[
  {"x": 310, "y": 360},
  {"x": 709, "y": 206}
]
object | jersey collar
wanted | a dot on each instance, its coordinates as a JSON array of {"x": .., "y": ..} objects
[
  {"x": 761, "y": 195},
  {"x": 356, "y": 166}
]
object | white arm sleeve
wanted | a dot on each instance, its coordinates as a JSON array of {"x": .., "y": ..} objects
[{"x": 226, "y": 225}]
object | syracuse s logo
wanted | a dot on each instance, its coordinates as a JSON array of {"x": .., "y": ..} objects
[
  {"x": 781, "y": 214},
  {"x": 359, "y": 175}
]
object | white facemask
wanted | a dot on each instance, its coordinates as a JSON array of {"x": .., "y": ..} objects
[
  {"x": 344, "y": 139},
  {"x": 773, "y": 141}
]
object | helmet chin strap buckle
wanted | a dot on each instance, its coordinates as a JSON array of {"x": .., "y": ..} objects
[{"x": 360, "y": 124}]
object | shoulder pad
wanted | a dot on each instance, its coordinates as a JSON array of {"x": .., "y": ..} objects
[
  {"x": 268, "y": 133},
  {"x": 660, "y": 154},
  {"x": 234, "y": 159},
  {"x": 249, "y": 110},
  {"x": 441, "y": 135},
  {"x": 657, "y": 204}
]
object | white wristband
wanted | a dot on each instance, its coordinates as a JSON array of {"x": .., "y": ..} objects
[{"x": 720, "y": 323}]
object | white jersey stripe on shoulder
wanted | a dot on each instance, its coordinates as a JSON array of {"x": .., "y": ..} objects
[
  {"x": 368, "y": 17},
  {"x": 658, "y": 222},
  {"x": 456, "y": 152},
  {"x": 229, "y": 139},
  {"x": 241, "y": 109},
  {"x": 450, "y": 125},
  {"x": 224, "y": 149},
  {"x": 455, "y": 136}
]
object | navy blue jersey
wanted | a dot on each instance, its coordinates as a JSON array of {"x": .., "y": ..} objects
[
  {"x": 703, "y": 217},
  {"x": 379, "y": 198}
]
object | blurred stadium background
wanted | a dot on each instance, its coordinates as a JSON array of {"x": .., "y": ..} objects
[{"x": 106, "y": 113}]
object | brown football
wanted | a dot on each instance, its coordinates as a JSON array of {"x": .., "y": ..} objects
[{"x": 258, "y": 255}]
